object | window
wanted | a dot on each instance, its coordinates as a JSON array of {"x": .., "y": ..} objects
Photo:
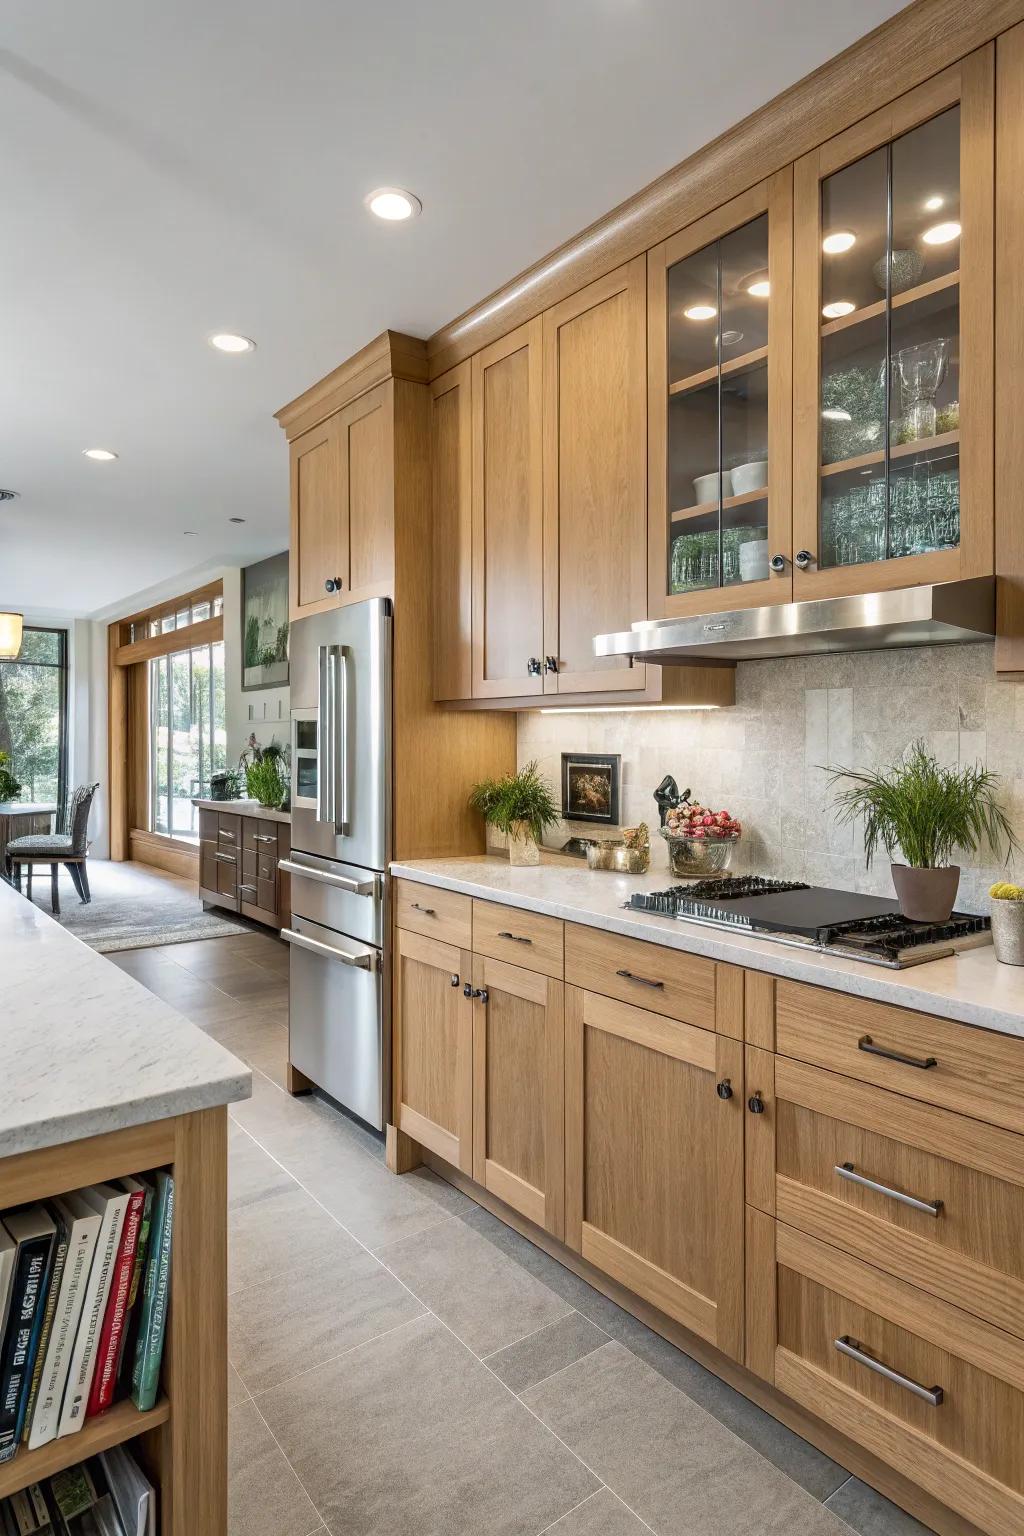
[
  {"x": 188, "y": 735},
  {"x": 33, "y": 714}
]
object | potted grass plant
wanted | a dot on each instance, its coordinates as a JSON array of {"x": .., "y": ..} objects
[
  {"x": 264, "y": 782},
  {"x": 520, "y": 805},
  {"x": 925, "y": 812}
]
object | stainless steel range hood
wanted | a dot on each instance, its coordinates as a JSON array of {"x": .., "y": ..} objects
[{"x": 947, "y": 612}]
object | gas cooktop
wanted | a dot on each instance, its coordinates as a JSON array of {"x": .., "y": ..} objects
[{"x": 833, "y": 922}]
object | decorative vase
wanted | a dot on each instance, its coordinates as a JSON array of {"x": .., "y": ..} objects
[
  {"x": 926, "y": 895},
  {"x": 523, "y": 847},
  {"x": 1008, "y": 931}
]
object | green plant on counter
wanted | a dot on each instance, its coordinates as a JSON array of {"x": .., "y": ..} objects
[
  {"x": 518, "y": 797},
  {"x": 10, "y": 788},
  {"x": 263, "y": 782},
  {"x": 1004, "y": 891},
  {"x": 924, "y": 810}
]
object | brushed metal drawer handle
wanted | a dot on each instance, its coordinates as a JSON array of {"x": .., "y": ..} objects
[
  {"x": 427, "y": 911},
  {"x": 865, "y": 1043},
  {"x": 264, "y": 837},
  {"x": 643, "y": 981},
  {"x": 847, "y": 1171},
  {"x": 223, "y": 832},
  {"x": 515, "y": 937},
  {"x": 226, "y": 858},
  {"x": 850, "y": 1348}
]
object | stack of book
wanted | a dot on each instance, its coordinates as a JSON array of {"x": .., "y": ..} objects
[
  {"x": 84, "y": 1281},
  {"x": 106, "y": 1496}
]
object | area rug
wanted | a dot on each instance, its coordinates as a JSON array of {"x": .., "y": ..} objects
[{"x": 132, "y": 907}]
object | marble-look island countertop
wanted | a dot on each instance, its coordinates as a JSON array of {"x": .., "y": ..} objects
[
  {"x": 972, "y": 987},
  {"x": 85, "y": 1048},
  {"x": 244, "y": 808}
]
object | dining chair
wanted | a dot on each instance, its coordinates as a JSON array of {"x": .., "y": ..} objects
[{"x": 68, "y": 846}]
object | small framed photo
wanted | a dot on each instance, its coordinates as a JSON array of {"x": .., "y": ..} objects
[{"x": 590, "y": 787}]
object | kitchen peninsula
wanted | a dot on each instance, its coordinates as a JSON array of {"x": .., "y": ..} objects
[
  {"x": 103, "y": 1081},
  {"x": 806, "y": 1171}
]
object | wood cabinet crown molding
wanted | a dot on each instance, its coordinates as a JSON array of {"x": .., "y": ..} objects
[
  {"x": 898, "y": 55},
  {"x": 391, "y": 355}
]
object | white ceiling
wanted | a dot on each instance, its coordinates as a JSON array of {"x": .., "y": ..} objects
[{"x": 174, "y": 169}]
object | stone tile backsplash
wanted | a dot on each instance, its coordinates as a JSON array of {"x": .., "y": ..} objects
[{"x": 763, "y": 759}]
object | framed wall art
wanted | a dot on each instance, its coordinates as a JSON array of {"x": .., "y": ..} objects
[{"x": 590, "y": 787}]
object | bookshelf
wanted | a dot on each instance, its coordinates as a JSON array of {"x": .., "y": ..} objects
[{"x": 181, "y": 1442}]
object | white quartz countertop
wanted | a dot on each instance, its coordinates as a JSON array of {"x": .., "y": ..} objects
[
  {"x": 972, "y": 987},
  {"x": 85, "y": 1048},
  {"x": 244, "y": 808}
]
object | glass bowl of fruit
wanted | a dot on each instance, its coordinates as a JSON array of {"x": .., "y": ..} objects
[{"x": 700, "y": 841}]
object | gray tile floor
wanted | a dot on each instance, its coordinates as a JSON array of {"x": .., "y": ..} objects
[{"x": 402, "y": 1364}]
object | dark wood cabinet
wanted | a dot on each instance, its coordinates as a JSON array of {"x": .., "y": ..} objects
[{"x": 238, "y": 865}]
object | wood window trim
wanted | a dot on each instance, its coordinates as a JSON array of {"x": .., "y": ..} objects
[{"x": 120, "y": 629}]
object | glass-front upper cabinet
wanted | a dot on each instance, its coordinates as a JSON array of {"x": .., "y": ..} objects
[
  {"x": 893, "y": 343},
  {"x": 719, "y": 317}
]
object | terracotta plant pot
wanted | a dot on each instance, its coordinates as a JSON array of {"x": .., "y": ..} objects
[
  {"x": 926, "y": 895},
  {"x": 523, "y": 847}
]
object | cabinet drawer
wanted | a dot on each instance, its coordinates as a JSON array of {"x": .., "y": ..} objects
[
  {"x": 931, "y": 1196},
  {"x": 437, "y": 914},
  {"x": 936, "y": 1060},
  {"x": 522, "y": 938},
  {"x": 936, "y": 1393},
  {"x": 651, "y": 976},
  {"x": 228, "y": 829}
]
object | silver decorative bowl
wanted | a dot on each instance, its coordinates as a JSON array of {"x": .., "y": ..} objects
[{"x": 689, "y": 856}]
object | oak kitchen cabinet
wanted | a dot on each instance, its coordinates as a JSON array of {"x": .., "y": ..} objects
[
  {"x": 433, "y": 1046},
  {"x": 540, "y": 510}
]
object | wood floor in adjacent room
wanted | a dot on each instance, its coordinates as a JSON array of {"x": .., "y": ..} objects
[{"x": 404, "y": 1365}]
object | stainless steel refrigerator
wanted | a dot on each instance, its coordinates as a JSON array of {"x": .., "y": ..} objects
[{"x": 341, "y": 844}]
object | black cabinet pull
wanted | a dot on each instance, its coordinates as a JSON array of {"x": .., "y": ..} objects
[
  {"x": 778, "y": 563},
  {"x": 865, "y": 1043},
  {"x": 455, "y": 981},
  {"x": 533, "y": 666},
  {"x": 724, "y": 1089},
  {"x": 550, "y": 663},
  {"x": 427, "y": 911},
  {"x": 755, "y": 1104},
  {"x": 481, "y": 993},
  {"x": 333, "y": 584},
  {"x": 643, "y": 981},
  {"x": 516, "y": 938},
  {"x": 803, "y": 559},
  {"x": 467, "y": 990}
]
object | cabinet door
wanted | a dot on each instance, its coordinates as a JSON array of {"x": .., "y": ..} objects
[
  {"x": 508, "y": 550},
  {"x": 433, "y": 1067},
  {"x": 719, "y": 317},
  {"x": 595, "y": 480},
  {"x": 452, "y": 532},
  {"x": 518, "y": 1056},
  {"x": 654, "y": 1160},
  {"x": 319, "y": 521},
  {"x": 368, "y": 492},
  {"x": 893, "y": 343}
]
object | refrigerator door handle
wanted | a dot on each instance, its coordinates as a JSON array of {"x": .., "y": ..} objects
[
  {"x": 367, "y": 961},
  {"x": 340, "y": 882},
  {"x": 341, "y": 753},
  {"x": 325, "y": 738}
]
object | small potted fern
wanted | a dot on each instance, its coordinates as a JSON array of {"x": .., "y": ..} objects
[
  {"x": 925, "y": 812},
  {"x": 520, "y": 805}
]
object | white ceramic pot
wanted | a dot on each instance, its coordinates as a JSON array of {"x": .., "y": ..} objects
[
  {"x": 705, "y": 487},
  {"x": 754, "y": 560},
  {"x": 523, "y": 847},
  {"x": 750, "y": 477}
]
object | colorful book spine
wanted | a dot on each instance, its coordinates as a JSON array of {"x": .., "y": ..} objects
[
  {"x": 22, "y": 1337},
  {"x": 130, "y": 1332},
  {"x": 85, "y": 1230},
  {"x": 104, "y": 1377},
  {"x": 112, "y": 1205},
  {"x": 58, "y": 1260},
  {"x": 153, "y": 1323}
]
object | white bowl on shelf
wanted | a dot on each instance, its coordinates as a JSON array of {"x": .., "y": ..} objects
[
  {"x": 705, "y": 487},
  {"x": 754, "y": 560},
  {"x": 750, "y": 477}
]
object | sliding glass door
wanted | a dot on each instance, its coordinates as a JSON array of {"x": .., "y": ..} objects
[{"x": 188, "y": 736}]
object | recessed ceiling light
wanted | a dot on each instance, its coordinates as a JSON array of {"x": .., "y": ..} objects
[
  {"x": 837, "y": 308},
  {"x": 227, "y": 341},
  {"x": 941, "y": 234},
  {"x": 236, "y": 519},
  {"x": 833, "y": 413},
  {"x": 393, "y": 204},
  {"x": 700, "y": 312},
  {"x": 103, "y": 454},
  {"x": 759, "y": 288},
  {"x": 838, "y": 241},
  {"x": 933, "y": 203}
]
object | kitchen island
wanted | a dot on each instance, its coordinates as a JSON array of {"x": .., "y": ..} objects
[
  {"x": 805, "y": 1171},
  {"x": 102, "y": 1080}
]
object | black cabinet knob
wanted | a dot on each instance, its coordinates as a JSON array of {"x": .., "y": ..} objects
[
  {"x": 755, "y": 1104},
  {"x": 455, "y": 981},
  {"x": 804, "y": 558},
  {"x": 467, "y": 990},
  {"x": 778, "y": 563},
  {"x": 533, "y": 666},
  {"x": 481, "y": 993},
  {"x": 333, "y": 584},
  {"x": 724, "y": 1089},
  {"x": 551, "y": 663}
]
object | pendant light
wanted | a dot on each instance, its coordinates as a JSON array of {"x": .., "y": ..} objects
[{"x": 10, "y": 635}]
